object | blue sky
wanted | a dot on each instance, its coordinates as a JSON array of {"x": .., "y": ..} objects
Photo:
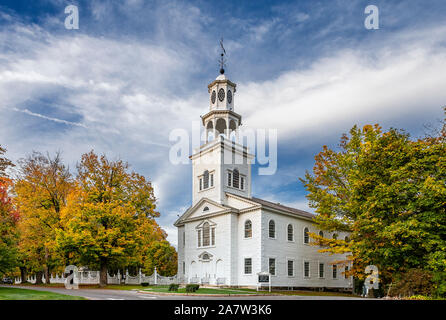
[{"x": 137, "y": 69}]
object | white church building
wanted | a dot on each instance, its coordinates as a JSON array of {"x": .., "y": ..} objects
[{"x": 228, "y": 236}]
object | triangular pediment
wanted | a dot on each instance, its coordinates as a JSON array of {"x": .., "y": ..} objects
[{"x": 203, "y": 207}]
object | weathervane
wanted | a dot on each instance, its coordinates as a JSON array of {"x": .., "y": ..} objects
[{"x": 222, "y": 60}]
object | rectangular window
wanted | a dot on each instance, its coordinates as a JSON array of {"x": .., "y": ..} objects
[
  {"x": 184, "y": 239},
  {"x": 199, "y": 238},
  {"x": 184, "y": 267},
  {"x": 229, "y": 179},
  {"x": 212, "y": 180},
  {"x": 248, "y": 265},
  {"x": 345, "y": 272},
  {"x": 272, "y": 266},
  {"x": 321, "y": 270},
  {"x": 242, "y": 183},
  {"x": 213, "y": 236},
  {"x": 201, "y": 184},
  {"x": 306, "y": 269},
  {"x": 291, "y": 268},
  {"x": 335, "y": 272}
]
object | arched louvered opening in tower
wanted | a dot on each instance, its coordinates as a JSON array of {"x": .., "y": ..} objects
[
  {"x": 210, "y": 131},
  {"x": 220, "y": 126}
]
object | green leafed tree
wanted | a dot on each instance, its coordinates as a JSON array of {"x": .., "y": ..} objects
[{"x": 389, "y": 192}]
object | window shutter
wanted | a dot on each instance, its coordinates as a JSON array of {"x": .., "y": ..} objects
[
  {"x": 206, "y": 179},
  {"x": 235, "y": 179},
  {"x": 229, "y": 179}
]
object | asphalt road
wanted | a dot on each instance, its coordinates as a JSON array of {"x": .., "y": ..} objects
[{"x": 109, "y": 294}]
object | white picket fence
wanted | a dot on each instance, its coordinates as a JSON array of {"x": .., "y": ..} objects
[{"x": 92, "y": 277}]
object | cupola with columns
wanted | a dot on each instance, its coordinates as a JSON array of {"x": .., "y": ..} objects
[{"x": 221, "y": 118}]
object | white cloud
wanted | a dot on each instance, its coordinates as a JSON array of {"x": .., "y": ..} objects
[{"x": 401, "y": 77}]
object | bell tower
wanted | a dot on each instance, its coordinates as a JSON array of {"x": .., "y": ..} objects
[
  {"x": 221, "y": 118},
  {"x": 221, "y": 164}
]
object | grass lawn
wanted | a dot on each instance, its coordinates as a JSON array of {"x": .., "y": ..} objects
[
  {"x": 165, "y": 289},
  {"x": 27, "y": 294}
]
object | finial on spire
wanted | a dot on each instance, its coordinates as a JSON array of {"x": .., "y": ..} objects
[{"x": 222, "y": 60}]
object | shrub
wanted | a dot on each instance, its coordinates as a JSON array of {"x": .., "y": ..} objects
[
  {"x": 192, "y": 287},
  {"x": 411, "y": 283},
  {"x": 173, "y": 287},
  {"x": 145, "y": 284},
  {"x": 439, "y": 279}
]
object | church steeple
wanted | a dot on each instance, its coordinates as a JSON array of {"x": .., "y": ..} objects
[
  {"x": 221, "y": 165},
  {"x": 221, "y": 118}
]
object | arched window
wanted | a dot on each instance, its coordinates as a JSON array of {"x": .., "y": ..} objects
[
  {"x": 206, "y": 179},
  {"x": 321, "y": 234},
  {"x": 346, "y": 239},
  {"x": 290, "y": 232},
  {"x": 272, "y": 229},
  {"x": 235, "y": 178},
  {"x": 335, "y": 236},
  {"x": 205, "y": 257},
  {"x": 306, "y": 235},
  {"x": 205, "y": 209},
  {"x": 248, "y": 229},
  {"x": 206, "y": 234}
]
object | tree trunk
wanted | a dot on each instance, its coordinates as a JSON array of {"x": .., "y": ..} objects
[
  {"x": 103, "y": 273},
  {"x": 39, "y": 275},
  {"x": 23, "y": 275},
  {"x": 46, "y": 269}
]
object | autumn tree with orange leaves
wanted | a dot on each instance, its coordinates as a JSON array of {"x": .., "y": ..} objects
[
  {"x": 8, "y": 220},
  {"x": 108, "y": 221},
  {"x": 41, "y": 188}
]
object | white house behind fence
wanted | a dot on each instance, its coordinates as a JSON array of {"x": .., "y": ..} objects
[{"x": 228, "y": 236}]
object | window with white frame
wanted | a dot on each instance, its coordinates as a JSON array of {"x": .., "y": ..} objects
[
  {"x": 248, "y": 265},
  {"x": 272, "y": 266},
  {"x": 290, "y": 232},
  {"x": 321, "y": 270},
  {"x": 335, "y": 271},
  {"x": 272, "y": 229},
  {"x": 290, "y": 265},
  {"x": 345, "y": 272},
  {"x": 206, "y": 180},
  {"x": 306, "y": 269},
  {"x": 306, "y": 236},
  {"x": 206, "y": 235},
  {"x": 236, "y": 180},
  {"x": 248, "y": 229}
]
